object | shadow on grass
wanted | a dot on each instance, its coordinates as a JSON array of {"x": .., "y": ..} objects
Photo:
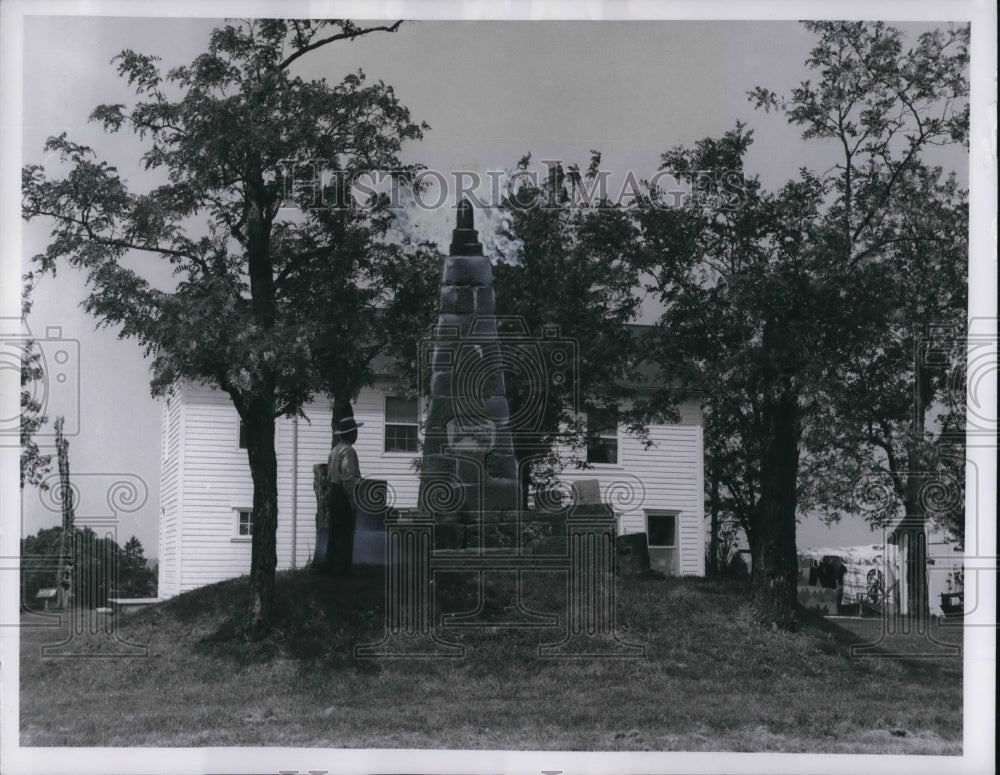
[
  {"x": 317, "y": 619},
  {"x": 688, "y": 624},
  {"x": 920, "y": 655},
  {"x": 711, "y": 680}
]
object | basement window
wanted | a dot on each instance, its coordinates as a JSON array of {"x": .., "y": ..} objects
[
  {"x": 400, "y": 424},
  {"x": 662, "y": 530},
  {"x": 661, "y": 534},
  {"x": 602, "y": 437}
]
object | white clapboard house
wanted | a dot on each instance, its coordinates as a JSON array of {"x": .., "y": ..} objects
[{"x": 206, "y": 493}]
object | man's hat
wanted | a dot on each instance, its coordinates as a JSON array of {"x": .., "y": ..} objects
[{"x": 347, "y": 425}]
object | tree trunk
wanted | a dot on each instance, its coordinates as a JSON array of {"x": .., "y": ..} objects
[
  {"x": 321, "y": 488},
  {"x": 914, "y": 528},
  {"x": 914, "y": 524},
  {"x": 339, "y": 409},
  {"x": 259, "y": 424},
  {"x": 775, "y": 559},
  {"x": 713, "y": 544}
]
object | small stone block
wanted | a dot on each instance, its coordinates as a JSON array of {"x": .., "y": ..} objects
[
  {"x": 438, "y": 465},
  {"x": 439, "y": 412},
  {"x": 501, "y": 466},
  {"x": 443, "y": 356},
  {"x": 435, "y": 442},
  {"x": 440, "y": 496},
  {"x": 501, "y": 494},
  {"x": 469, "y": 412},
  {"x": 586, "y": 491},
  {"x": 496, "y": 409},
  {"x": 484, "y": 325},
  {"x": 469, "y": 357},
  {"x": 492, "y": 384},
  {"x": 473, "y": 535},
  {"x": 448, "y": 328},
  {"x": 471, "y": 471},
  {"x": 441, "y": 384},
  {"x": 500, "y": 536},
  {"x": 467, "y": 270},
  {"x": 632, "y": 552},
  {"x": 448, "y": 536},
  {"x": 458, "y": 299},
  {"x": 485, "y": 301},
  {"x": 452, "y": 326},
  {"x": 502, "y": 443},
  {"x": 492, "y": 516},
  {"x": 471, "y": 496}
]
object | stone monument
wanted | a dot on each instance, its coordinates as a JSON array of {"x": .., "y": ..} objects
[
  {"x": 469, "y": 475},
  {"x": 469, "y": 517}
]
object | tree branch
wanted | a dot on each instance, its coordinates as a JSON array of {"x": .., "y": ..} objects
[
  {"x": 341, "y": 36},
  {"x": 125, "y": 245}
]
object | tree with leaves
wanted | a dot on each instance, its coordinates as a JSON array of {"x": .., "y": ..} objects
[
  {"x": 734, "y": 268},
  {"x": 276, "y": 285},
  {"x": 135, "y": 579},
  {"x": 34, "y": 465},
  {"x": 95, "y": 561},
  {"x": 572, "y": 276},
  {"x": 801, "y": 311},
  {"x": 888, "y": 423}
]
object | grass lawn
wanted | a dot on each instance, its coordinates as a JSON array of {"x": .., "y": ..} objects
[{"x": 710, "y": 681}]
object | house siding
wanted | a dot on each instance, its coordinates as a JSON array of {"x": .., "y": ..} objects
[
  {"x": 211, "y": 479},
  {"x": 666, "y": 476},
  {"x": 168, "y": 581},
  {"x": 216, "y": 482}
]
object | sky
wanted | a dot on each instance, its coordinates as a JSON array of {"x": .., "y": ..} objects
[{"x": 491, "y": 92}]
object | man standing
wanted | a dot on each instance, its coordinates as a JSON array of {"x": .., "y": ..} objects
[{"x": 343, "y": 474}]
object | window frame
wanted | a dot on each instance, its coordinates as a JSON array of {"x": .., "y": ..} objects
[
  {"x": 617, "y": 438},
  {"x": 386, "y": 424},
  {"x": 239, "y": 537},
  {"x": 676, "y": 515}
]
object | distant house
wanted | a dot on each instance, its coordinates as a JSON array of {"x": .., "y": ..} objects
[{"x": 206, "y": 492}]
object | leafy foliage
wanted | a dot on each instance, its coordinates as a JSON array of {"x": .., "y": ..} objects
[
  {"x": 799, "y": 312},
  {"x": 736, "y": 272},
  {"x": 277, "y": 284},
  {"x": 889, "y": 420},
  {"x": 34, "y": 465},
  {"x": 101, "y": 568},
  {"x": 135, "y": 578},
  {"x": 572, "y": 277}
]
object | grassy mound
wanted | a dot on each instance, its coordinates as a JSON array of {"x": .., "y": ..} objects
[{"x": 709, "y": 680}]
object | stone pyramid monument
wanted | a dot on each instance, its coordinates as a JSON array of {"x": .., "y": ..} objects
[{"x": 469, "y": 474}]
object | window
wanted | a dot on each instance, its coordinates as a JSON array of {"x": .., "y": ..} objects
[
  {"x": 400, "y": 424},
  {"x": 662, "y": 530},
  {"x": 244, "y": 523},
  {"x": 661, "y": 535},
  {"x": 602, "y": 437}
]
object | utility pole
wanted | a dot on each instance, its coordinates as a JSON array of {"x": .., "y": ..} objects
[{"x": 64, "y": 574}]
